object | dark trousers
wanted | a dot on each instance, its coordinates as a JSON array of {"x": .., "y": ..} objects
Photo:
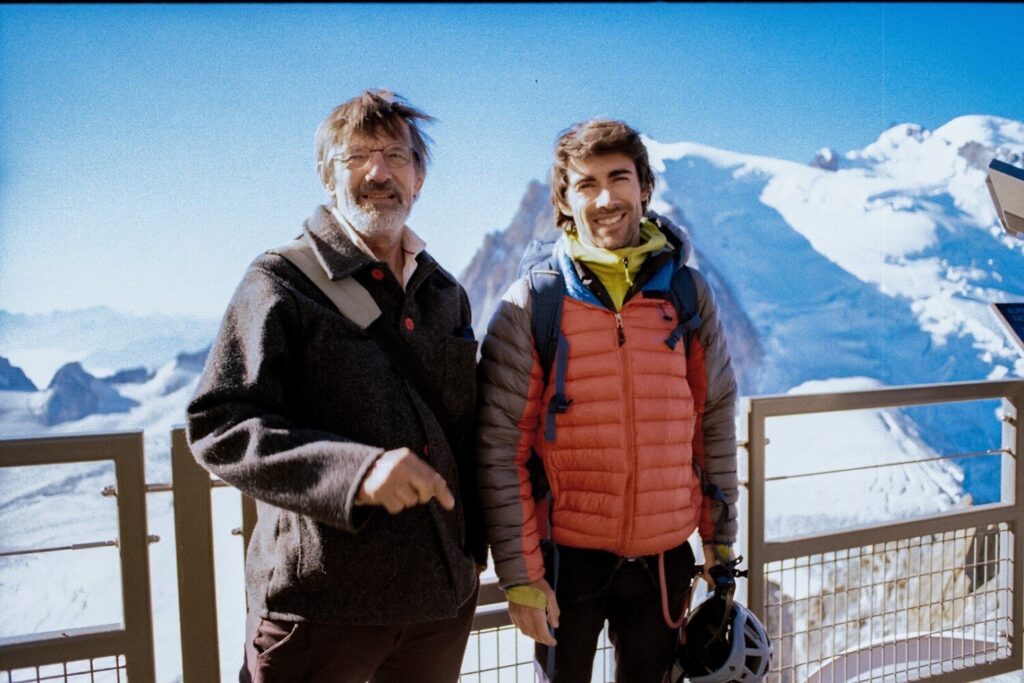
[
  {"x": 594, "y": 586},
  {"x": 295, "y": 652}
]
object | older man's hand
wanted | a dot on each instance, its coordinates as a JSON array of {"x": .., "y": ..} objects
[{"x": 401, "y": 479}]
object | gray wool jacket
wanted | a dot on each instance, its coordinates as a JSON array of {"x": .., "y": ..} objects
[{"x": 294, "y": 406}]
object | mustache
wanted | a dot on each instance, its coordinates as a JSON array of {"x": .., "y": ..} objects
[{"x": 374, "y": 186}]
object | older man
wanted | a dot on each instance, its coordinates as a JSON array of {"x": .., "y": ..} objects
[
  {"x": 627, "y": 428},
  {"x": 350, "y": 430}
]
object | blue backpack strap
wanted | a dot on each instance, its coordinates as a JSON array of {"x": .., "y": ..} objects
[
  {"x": 558, "y": 403},
  {"x": 683, "y": 292},
  {"x": 547, "y": 290}
]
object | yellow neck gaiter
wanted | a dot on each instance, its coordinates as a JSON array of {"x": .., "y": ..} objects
[{"x": 616, "y": 268}]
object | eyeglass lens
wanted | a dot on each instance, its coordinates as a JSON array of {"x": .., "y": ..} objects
[{"x": 395, "y": 156}]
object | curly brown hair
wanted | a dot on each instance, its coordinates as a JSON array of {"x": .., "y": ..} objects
[
  {"x": 596, "y": 136},
  {"x": 368, "y": 113}
]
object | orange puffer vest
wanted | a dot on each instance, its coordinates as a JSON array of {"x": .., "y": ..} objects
[{"x": 621, "y": 465}]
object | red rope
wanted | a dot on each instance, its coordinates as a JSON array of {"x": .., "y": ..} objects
[{"x": 672, "y": 623}]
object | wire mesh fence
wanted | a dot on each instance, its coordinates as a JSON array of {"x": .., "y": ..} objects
[
  {"x": 894, "y": 611},
  {"x": 99, "y": 670},
  {"x": 503, "y": 655}
]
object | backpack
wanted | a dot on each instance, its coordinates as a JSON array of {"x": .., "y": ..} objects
[{"x": 547, "y": 292}]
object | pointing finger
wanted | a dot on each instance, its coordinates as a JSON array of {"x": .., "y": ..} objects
[{"x": 443, "y": 495}]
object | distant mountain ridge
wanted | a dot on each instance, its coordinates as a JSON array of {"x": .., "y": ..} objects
[{"x": 41, "y": 343}]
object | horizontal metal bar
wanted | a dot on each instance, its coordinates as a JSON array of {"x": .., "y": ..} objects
[
  {"x": 55, "y": 647},
  {"x": 490, "y": 593},
  {"x": 73, "y": 546},
  {"x": 66, "y": 449},
  {"x": 150, "y": 538},
  {"x": 842, "y": 470},
  {"x": 491, "y": 616},
  {"x": 816, "y": 544},
  {"x": 161, "y": 487},
  {"x": 885, "y": 397}
]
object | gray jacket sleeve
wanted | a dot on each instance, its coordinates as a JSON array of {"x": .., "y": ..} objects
[
  {"x": 510, "y": 401},
  {"x": 241, "y": 427},
  {"x": 718, "y": 421}
]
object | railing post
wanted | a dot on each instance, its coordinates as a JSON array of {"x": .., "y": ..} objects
[
  {"x": 133, "y": 542},
  {"x": 755, "y": 513},
  {"x": 1012, "y": 484},
  {"x": 248, "y": 521},
  {"x": 193, "y": 535}
]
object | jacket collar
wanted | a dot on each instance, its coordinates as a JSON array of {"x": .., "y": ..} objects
[
  {"x": 340, "y": 258},
  {"x": 655, "y": 273},
  {"x": 334, "y": 250}
]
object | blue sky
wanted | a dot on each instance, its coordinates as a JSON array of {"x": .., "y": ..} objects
[{"x": 148, "y": 153}]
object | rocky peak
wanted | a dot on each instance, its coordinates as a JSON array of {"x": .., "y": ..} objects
[
  {"x": 13, "y": 378},
  {"x": 76, "y": 394},
  {"x": 494, "y": 266}
]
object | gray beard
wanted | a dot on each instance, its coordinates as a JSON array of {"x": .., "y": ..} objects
[{"x": 373, "y": 224}]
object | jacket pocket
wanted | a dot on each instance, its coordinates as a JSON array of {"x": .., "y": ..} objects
[
  {"x": 297, "y": 555},
  {"x": 310, "y": 570},
  {"x": 280, "y": 651}
]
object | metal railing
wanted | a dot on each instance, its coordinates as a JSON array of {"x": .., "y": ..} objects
[
  {"x": 936, "y": 597},
  {"x": 103, "y": 649},
  {"x": 961, "y": 562}
]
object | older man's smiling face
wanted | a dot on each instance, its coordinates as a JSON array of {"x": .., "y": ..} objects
[{"x": 377, "y": 197}]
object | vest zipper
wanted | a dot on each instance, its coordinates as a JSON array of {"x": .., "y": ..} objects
[{"x": 628, "y": 417}]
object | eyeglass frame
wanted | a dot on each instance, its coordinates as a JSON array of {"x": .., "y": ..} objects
[{"x": 412, "y": 156}]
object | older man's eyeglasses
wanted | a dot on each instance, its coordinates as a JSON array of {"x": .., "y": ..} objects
[{"x": 358, "y": 158}]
